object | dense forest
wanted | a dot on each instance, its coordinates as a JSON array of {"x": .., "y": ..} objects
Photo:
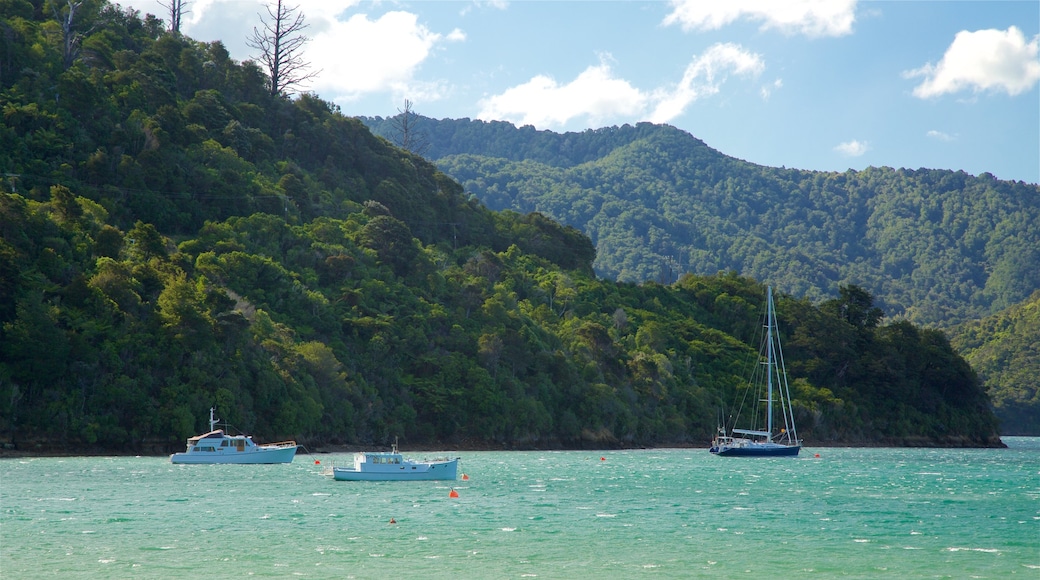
[
  {"x": 173, "y": 236},
  {"x": 936, "y": 247},
  {"x": 1005, "y": 350}
]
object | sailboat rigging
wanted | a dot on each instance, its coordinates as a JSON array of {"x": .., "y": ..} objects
[{"x": 762, "y": 441}]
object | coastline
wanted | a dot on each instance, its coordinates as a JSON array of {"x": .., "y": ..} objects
[{"x": 9, "y": 450}]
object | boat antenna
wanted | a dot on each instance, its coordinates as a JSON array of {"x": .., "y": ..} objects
[{"x": 212, "y": 420}]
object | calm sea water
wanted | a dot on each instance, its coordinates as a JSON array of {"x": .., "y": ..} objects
[{"x": 669, "y": 513}]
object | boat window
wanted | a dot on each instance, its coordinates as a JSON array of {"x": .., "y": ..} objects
[{"x": 223, "y": 443}]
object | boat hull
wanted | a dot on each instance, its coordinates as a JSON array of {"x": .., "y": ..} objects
[
  {"x": 432, "y": 471},
  {"x": 220, "y": 456},
  {"x": 757, "y": 451}
]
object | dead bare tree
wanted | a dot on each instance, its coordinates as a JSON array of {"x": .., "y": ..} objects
[
  {"x": 406, "y": 132},
  {"x": 280, "y": 43},
  {"x": 71, "y": 38},
  {"x": 176, "y": 9}
]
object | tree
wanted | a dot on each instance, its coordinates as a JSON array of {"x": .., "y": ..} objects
[
  {"x": 280, "y": 42},
  {"x": 392, "y": 241},
  {"x": 406, "y": 132},
  {"x": 146, "y": 242},
  {"x": 177, "y": 9},
  {"x": 855, "y": 306},
  {"x": 71, "y": 38}
]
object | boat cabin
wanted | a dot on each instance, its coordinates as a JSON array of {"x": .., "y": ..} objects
[
  {"x": 385, "y": 462},
  {"x": 218, "y": 441}
]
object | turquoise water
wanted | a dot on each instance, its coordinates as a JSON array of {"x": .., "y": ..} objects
[{"x": 668, "y": 513}]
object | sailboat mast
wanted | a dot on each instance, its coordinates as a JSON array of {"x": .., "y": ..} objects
[{"x": 769, "y": 362}]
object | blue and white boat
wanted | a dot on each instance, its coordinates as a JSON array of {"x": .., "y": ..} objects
[
  {"x": 770, "y": 375},
  {"x": 219, "y": 447},
  {"x": 392, "y": 466}
]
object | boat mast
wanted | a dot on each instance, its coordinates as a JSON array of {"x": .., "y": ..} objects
[
  {"x": 769, "y": 363},
  {"x": 212, "y": 420}
]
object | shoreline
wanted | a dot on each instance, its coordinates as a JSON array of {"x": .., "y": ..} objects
[{"x": 7, "y": 452}]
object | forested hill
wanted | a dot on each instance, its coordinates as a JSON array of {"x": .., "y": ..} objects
[
  {"x": 1005, "y": 350},
  {"x": 936, "y": 247},
  {"x": 175, "y": 237}
]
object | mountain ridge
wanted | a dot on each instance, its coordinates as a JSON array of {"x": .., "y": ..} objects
[
  {"x": 937, "y": 247},
  {"x": 657, "y": 202}
]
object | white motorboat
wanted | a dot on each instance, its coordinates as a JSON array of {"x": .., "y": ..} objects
[
  {"x": 392, "y": 466},
  {"x": 216, "y": 446}
]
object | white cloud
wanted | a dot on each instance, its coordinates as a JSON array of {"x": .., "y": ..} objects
[
  {"x": 812, "y": 18},
  {"x": 542, "y": 102},
  {"x": 478, "y": 4},
  {"x": 767, "y": 90},
  {"x": 351, "y": 68},
  {"x": 703, "y": 77},
  {"x": 941, "y": 136},
  {"x": 853, "y": 148},
  {"x": 341, "y": 51},
  {"x": 599, "y": 97},
  {"x": 984, "y": 60},
  {"x": 316, "y": 12}
]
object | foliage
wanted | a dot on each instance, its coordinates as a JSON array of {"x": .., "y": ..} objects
[
  {"x": 936, "y": 247},
  {"x": 1005, "y": 350},
  {"x": 175, "y": 238}
]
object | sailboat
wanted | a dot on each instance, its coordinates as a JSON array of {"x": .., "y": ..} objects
[{"x": 770, "y": 376}]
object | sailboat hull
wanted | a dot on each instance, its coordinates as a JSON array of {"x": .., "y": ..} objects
[{"x": 757, "y": 450}]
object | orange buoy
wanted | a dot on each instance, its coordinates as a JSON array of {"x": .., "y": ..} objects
[
  {"x": 817, "y": 456},
  {"x": 602, "y": 458},
  {"x": 393, "y": 521},
  {"x": 316, "y": 462},
  {"x": 465, "y": 477},
  {"x": 453, "y": 493}
]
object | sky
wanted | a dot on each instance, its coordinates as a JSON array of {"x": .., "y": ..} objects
[{"x": 825, "y": 85}]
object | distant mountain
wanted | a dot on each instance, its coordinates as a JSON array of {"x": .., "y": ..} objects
[
  {"x": 936, "y": 247},
  {"x": 1004, "y": 349}
]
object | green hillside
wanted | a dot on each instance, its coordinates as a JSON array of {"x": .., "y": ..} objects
[
  {"x": 938, "y": 248},
  {"x": 174, "y": 237},
  {"x": 1005, "y": 350},
  {"x": 935, "y": 247}
]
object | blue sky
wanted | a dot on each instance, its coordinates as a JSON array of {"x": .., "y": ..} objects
[{"x": 813, "y": 84}]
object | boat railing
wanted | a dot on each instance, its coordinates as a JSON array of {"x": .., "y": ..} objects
[
  {"x": 289, "y": 443},
  {"x": 439, "y": 459}
]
